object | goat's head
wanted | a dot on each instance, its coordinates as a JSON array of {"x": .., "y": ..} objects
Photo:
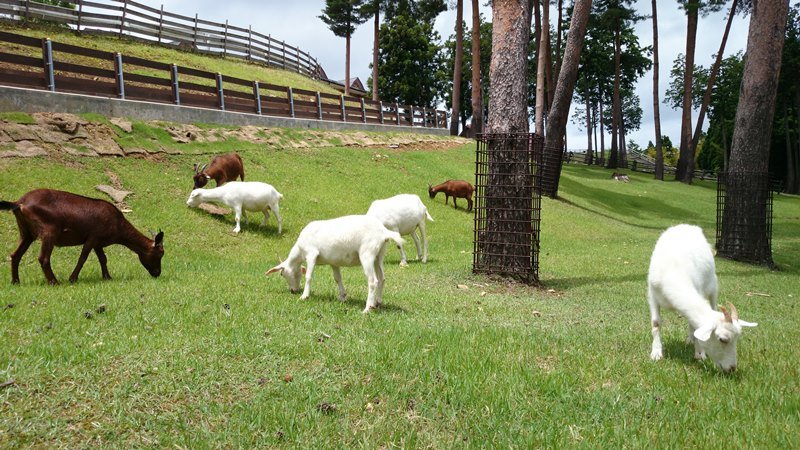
[
  {"x": 195, "y": 198},
  {"x": 291, "y": 274},
  {"x": 431, "y": 193},
  {"x": 719, "y": 338},
  {"x": 151, "y": 257},
  {"x": 200, "y": 178}
]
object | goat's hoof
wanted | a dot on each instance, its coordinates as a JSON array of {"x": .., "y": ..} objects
[
  {"x": 403, "y": 264},
  {"x": 701, "y": 356},
  {"x": 656, "y": 355},
  {"x": 342, "y": 297}
]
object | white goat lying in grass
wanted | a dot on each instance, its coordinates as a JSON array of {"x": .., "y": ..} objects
[
  {"x": 242, "y": 196},
  {"x": 403, "y": 213},
  {"x": 683, "y": 277},
  {"x": 342, "y": 242}
]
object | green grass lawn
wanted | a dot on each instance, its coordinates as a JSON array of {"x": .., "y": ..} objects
[{"x": 215, "y": 354}]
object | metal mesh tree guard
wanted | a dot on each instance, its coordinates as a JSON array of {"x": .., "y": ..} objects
[
  {"x": 508, "y": 205},
  {"x": 744, "y": 217}
]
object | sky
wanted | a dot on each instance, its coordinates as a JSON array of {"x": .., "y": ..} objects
[{"x": 298, "y": 24}]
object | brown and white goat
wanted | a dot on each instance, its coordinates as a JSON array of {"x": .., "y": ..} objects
[
  {"x": 223, "y": 168},
  {"x": 455, "y": 189},
  {"x": 62, "y": 219}
]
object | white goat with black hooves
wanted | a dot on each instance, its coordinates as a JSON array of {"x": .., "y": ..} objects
[
  {"x": 242, "y": 196},
  {"x": 683, "y": 277},
  {"x": 342, "y": 242},
  {"x": 404, "y": 213}
]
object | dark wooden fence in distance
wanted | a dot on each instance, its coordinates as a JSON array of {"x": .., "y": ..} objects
[{"x": 127, "y": 77}]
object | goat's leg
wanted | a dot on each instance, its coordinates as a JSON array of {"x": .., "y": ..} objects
[
  {"x": 379, "y": 276},
  {"x": 469, "y": 204},
  {"x": 337, "y": 275},
  {"x": 87, "y": 248},
  {"x": 416, "y": 242},
  {"x": 699, "y": 351},
  {"x": 657, "y": 351},
  {"x": 266, "y": 217},
  {"x": 403, "y": 259},
  {"x": 311, "y": 261},
  {"x": 368, "y": 264},
  {"x": 423, "y": 233},
  {"x": 44, "y": 259},
  {"x": 446, "y": 198},
  {"x": 277, "y": 211},
  {"x": 25, "y": 241},
  {"x": 238, "y": 215},
  {"x": 101, "y": 256}
]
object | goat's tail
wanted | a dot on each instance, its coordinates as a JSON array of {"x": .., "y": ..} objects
[
  {"x": 8, "y": 206},
  {"x": 428, "y": 215},
  {"x": 394, "y": 236}
]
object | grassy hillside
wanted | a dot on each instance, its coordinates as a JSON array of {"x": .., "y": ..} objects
[
  {"x": 233, "y": 67},
  {"x": 215, "y": 354}
]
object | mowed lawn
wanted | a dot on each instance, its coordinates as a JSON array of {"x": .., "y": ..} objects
[{"x": 215, "y": 354}]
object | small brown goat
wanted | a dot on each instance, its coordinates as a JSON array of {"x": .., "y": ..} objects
[
  {"x": 455, "y": 189},
  {"x": 223, "y": 168},
  {"x": 61, "y": 219}
]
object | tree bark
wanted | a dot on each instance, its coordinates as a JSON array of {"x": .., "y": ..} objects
[
  {"x": 541, "y": 64},
  {"x": 712, "y": 78},
  {"x": 594, "y": 131},
  {"x": 457, "y": 69},
  {"x": 375, "y": 47},
  {"x": 602, "y": 156},
  {"x": 347, "y": 65},
  {"x": 745, "y": 224},
  {"x": 477, "y": 93},
  {"x": 589, "y": 157},
  {"x": 505, "y": 245},
  {"x": 613, "y": 157},
  {"x": 557, "y": 118},
  {"x": 683, "y": 171},
  {"x": 559, "y": 31},
  {"x": 658, "y": 173}
]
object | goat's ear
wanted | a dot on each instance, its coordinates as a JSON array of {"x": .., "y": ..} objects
[
  {"x": 159, "y": 239},
  {"x": 743, "y": 323},
  {"x": 704, "y": 333},
  {"x": 277, "y": 268}
]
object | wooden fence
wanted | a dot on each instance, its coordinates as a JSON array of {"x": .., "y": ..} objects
[
  {"x": 109, "y": 74},
  {"x": 135, "y": 20}
]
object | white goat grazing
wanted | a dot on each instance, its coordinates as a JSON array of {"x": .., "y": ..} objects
[
  {"x": 404, "y": 213},
  {"x": 242, "y": 196},
  {"x": 682, "y": 277},
  {"x": 342, "y": 242}
]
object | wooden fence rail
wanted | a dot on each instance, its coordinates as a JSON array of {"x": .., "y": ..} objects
[
  {"x": 128, "y": 77},
  {"x": 139, "y": 21}
]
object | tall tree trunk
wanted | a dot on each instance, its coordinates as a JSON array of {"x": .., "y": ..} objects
[
  {"x": 790, "y": 163},
  {"x": 623, "y": 148},
  {"x": 796, "y": 150},
  {"x": 613, "y": 158},
  {"x": 559, "y": 31},
  {"x": 505, "y": 245},
  {"x": 477, "y": 97},
  {"x": 589, "y": 156},
  {"x": 557, "y": 118},
  {"x": 659, "y": 169},
  {"x": 457, "y": 69},
  {"x": 712, "y": 78},
  {"x": 594, "y": 130},
  {"x": 745, "y": 230},
  {"x": 537, "y": 27},
  {"x": 541, "y": 64},
  {"x": 375, "y": 47},
  {"x": 347, "y": 65},
  {"x": 726, "y": 150},
  {"x": 549, "y": 82},
  {"x": 683, "y": 172},
  {"x": 602, "y": 155}
]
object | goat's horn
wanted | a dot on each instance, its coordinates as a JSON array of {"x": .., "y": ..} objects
[
  {"x": 203, "y": 167},
  {"x": 726, "y": 313},
  {"x": 734, "y": 312}
]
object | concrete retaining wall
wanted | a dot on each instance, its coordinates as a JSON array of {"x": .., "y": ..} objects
[{"x": 32, "y": 100}]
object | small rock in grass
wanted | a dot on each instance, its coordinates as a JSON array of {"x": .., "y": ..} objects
[
  {"x": 88, "y": 314},
  {"x": 326, "y": 408},
  {"x": 288, "y": 378},
  {"x": 101, "y": 309}
]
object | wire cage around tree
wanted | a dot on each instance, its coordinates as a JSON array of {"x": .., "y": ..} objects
[
  {"x": 744, "y": 216},
  {"x": 507, "y": 208}
]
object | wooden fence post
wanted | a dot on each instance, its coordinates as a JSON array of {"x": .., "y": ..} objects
[
  {"x": 291, "y": 101},
  {"x": 176, "y": 94},
  {"x": 225, "y": 40},
  {"x": 27, "y": 10},
  {"x": 80, "y": 15},
  {"x": 411, "y": 116},
  {"x": 122, "y": 19},
  {"x": 220, "y": 92},
  {"x": 319, "y": 106},
  {"x": 119, "y": 77},
  {"x": 344, "y": 112},
  {"x": 397, "y": 112},
  {"x": 194, "y": 39},
  {"x": 363, "y": 111},
  {"x": 257, "y": 96},
  {"x": 283, "y": 60},
  {"x": 47, "y": 58},
  {"x": 249, "y": 42},
  {"x": 160, "y": 23},
  {"x": 380, "y": 111}
]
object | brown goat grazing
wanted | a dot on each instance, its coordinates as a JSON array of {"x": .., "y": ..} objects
[
  {"x": 62, "y": 219},
  {"x": 223, "y": 168},
  {"x": 455, "y": 189}
]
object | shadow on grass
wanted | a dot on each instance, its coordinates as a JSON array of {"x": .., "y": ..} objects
[
  {"x": 566, "y": 283},
  {"x": 249, "y": 225},
  {"x": 680, "y": 350},
  {"x": 353, "y": 302}
]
